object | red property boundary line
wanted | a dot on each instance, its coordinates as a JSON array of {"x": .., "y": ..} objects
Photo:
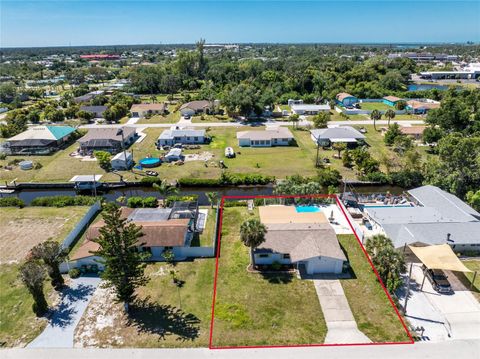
[{"x": 211, "y": 346}]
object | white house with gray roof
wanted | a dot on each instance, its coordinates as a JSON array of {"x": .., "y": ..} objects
[
  {"x": 437, "y": 218},
  {"x": 328, "y": 136},
  {"x": 278, "y": 136},
  {"x": 181, "y": 135}
]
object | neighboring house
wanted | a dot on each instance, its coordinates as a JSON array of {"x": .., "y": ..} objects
[
  {"x": 88, "y": 97},
  {"x": 175, "y": 154},
  {"x": 415, "y": 132},
  {"x": 418, "y": 107},
  {"x": 142, "y": 109},
  {"x": 438, "y": 218},
  {"x": 294, "y": 102},
  {"x": 97, "y": 111},
  {"x": 107, "y": 139},
  {"x": 163, "y": 229},
  {"x": 327, "y": 136},
  {"x": 391, "y": 100},
  {"x": 196, "y": 107},
  {"x": 279, "y": 136},
  {"x": 345, "y": 99},
  {"x": 310, "y": 247},
  {"x": 181, "y": 135},
  {"x": 309, "y": 109},
  {"x": 122, "y": 161},
  {"x": 39, "y": 140}
]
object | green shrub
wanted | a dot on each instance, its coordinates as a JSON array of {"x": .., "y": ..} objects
[
  {"x": 199, "y": 182},
  {"x": 150, "y": 180},
  {"x": 150, "y": 202},
  {"x": 141, "y": 202},
  {"x": 37, "y": 166},
  {"x": 234, "y": 203},
  {"x": 378, "y": 177},
  {"x": 74, "y": 273},
  {"x": 3, "y": 156},
  {"x": 63, "y": 201},
  {"x": 176, "y": 198},
  {"x": 11, "y": 202}
]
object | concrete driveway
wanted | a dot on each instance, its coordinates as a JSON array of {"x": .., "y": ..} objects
[
  {"x": 341, "y": 325},
  {"x": 67, "y": 314},
  {"x": 444, "y": 316}
]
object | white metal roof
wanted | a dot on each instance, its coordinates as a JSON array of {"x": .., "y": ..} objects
[{"x": 86, "y": 178}]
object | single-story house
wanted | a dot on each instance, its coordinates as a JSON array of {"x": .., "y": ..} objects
[
  {"x": 391, "y": 100},
  {"x": 143, "y": 109},
  {"x": 122, "y": 160},
  {"x": 345, "y": 99},
  {"x": 97, "y": 111},
  {"x": 181, "y": 135},
  {"x": 290, "y": 239},
  {"x": 422, "y": 107},
  {"x": 162, "y": 228},
  {"x": 107, "y": 139},
  {"x": 88, "y": 97},
  {"x": 309, "y": 109},
  {"x": 39, "y": 140},
  {"x": 415, "y": 132},
  {"x": 195, "y": 107},
  {"x": 437, "y": 218},
  {"x": 346, "y": 134},
  {"x": 175, "y": 154},
  {"x": 278, "y": 136}
]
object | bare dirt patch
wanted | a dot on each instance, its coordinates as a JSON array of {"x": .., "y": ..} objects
[{"x": 22, "y": 229}]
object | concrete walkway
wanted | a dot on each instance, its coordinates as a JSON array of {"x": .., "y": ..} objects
[
  {"x": 65, "y": 317},
  {"x": 342, "y": 327}
]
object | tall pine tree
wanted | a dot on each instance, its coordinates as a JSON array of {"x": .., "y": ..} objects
[{"x": 124, "y": 265}]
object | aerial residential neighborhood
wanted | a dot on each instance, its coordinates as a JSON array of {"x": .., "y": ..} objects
[{"x": 266, "y": 179}]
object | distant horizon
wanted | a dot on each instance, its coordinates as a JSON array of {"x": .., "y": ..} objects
[{"x": 67, "y": 23}]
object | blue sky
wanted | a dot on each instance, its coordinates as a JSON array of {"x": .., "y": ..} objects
[{"x": 61, "y": 23}]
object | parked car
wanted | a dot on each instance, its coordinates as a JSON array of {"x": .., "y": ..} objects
[
  {"x": 186, "y": 117},
  {"x": 438, "y": 279}
]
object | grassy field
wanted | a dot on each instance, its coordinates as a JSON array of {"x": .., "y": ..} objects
[
  {"x": 376, "y": 106},
  {"x": 370, "y": 306},
  {"x": 164, "y": 315},
  {"x": 172, "y": 117},
  {"x": 255, "y": 309},
  {"x": 212, "y": 118},
  {"x": 467, "y": 278},
  {"x": 20, "y": 230}
]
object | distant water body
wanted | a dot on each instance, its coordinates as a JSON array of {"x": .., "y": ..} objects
[{"x": 425, "y": 87}]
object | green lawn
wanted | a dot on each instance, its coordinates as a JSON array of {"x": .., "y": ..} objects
[
  {"x": 255, "y": 309},
  {"x": 212, "y": 118},
  {"x": 467, "y": 278},
  {"x": 172, "y": 117},
  {"x": 20, "y": 230},
  {"x": 371, "y": 308},
  {"x": 165, "y": 315},
  {"x": 375, "y": 106}
]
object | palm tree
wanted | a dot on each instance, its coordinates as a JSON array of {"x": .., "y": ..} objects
[
  {"x": 212, "y": 198},
  {"x": 390, "y": 115},
  {"x": 252, "y": 234},
  {"x": 375, "y": 115},
  {"x": 165, "y": 189}
]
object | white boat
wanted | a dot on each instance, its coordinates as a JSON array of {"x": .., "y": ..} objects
[{"x": 6, "y": 191}]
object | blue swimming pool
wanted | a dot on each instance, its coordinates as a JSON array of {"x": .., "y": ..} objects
[
  {"x": 307, "y": 209},
  {"x": 149, "y": 162}
]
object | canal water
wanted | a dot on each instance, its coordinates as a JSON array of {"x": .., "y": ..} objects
[{"x": 27, "y": 195}]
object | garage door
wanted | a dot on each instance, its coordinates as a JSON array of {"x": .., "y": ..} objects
[{"x": 322, "y": 265}]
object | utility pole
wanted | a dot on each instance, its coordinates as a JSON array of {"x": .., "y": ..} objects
[{"x": 408, "y": 289}]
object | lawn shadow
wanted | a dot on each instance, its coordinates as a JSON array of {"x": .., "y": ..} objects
[
  {"x": 277, "y": 278},
  {"x": 349, "y": 270},
  {"x": 163, "y": 320}
]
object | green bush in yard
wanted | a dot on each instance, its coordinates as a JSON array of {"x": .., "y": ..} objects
[
  {"x": 150, "y": 180},
  {"x": 141, "y": 202},
  {"x": 11, "y": 202},
  {"x": 74, "y": 273},
  {"x": 63, "y": 201}
]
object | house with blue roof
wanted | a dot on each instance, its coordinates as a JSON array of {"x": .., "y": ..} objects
[{"x": 39, "y": 140}]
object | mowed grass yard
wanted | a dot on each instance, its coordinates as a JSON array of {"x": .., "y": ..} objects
[
  {"x": 466, "y": 278},
  {"x": 255, "y": 309},
  {"x": 164, "y": 315},
  {"x": 376, "y": 106},
  {"x": 370, "y": 306},
  {"x": 20, "y": 230}
]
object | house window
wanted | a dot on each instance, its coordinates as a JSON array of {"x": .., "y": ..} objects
[
  {"x": 286, "y": 256},
  {"x": 167, "y": 248},
  {"x": 146, "y": 249},
  {"x": 263, "y": 255},
  {"x": 195, "y": 138}
]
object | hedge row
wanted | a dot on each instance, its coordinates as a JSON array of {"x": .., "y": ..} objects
[
  {"x": 151, "y": 180},
  {"x": 11, "y": 202},
  {"x": 227, "y": 179},
  {"x": 142, "y": 202},
  {"x": 175, "y": 198},
  {"x": 63, "y": 201}
]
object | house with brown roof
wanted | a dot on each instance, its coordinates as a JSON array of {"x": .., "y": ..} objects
[
  {"x": 305, "y": 240},
  {"x": 415, "y": 132},
  {"x": 162, "y": 229},
  {"x": 146, "y": 109},
  {"x": 196, "y": 107},
  {"x": 278, "y": 136},
  {"x": 345, "y": 99},
  {"x": 108, "y": 139},
  {"x": 419, "y": 107}
]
